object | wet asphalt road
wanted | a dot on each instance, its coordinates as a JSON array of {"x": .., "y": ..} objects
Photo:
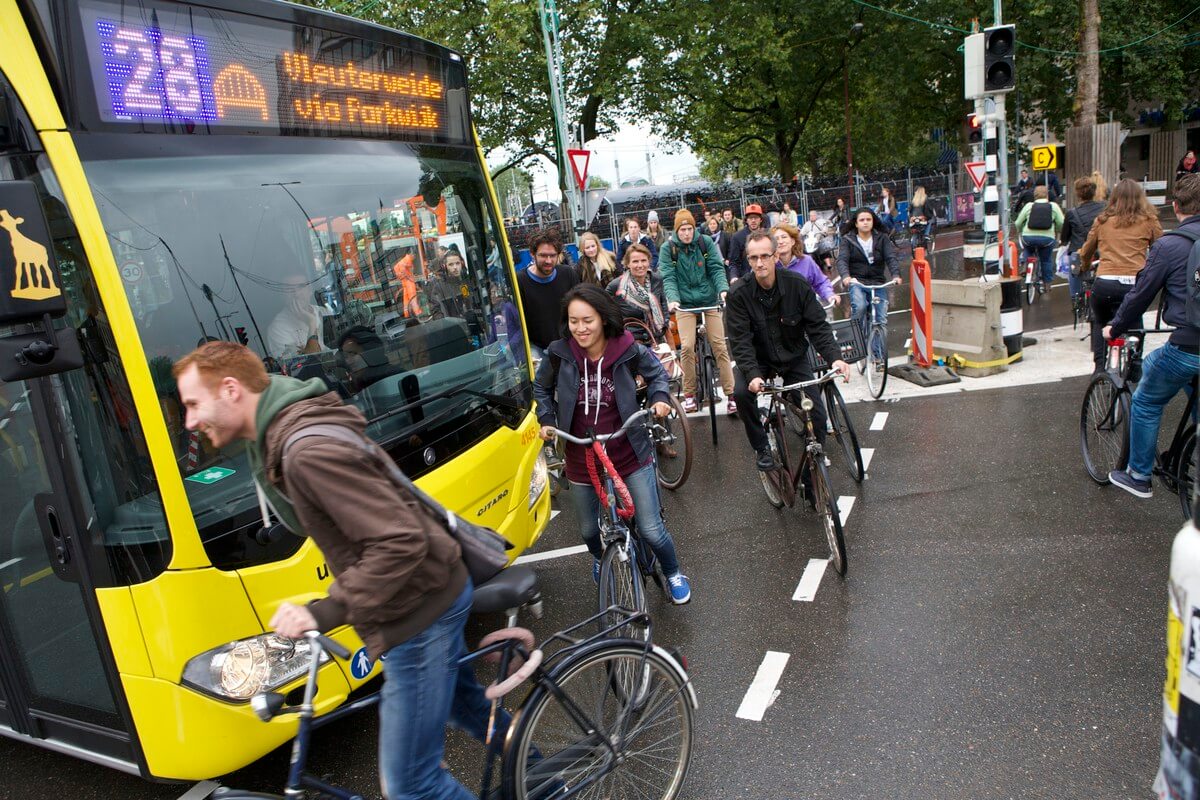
[{"x": 999, "y": 633}]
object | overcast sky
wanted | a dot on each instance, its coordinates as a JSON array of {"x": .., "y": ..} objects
[{"x": 669, "y": 163}]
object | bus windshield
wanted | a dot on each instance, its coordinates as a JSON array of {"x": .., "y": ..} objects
[{"x": 374, "y": 267}]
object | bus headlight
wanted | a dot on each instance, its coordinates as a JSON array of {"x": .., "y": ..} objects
[
  {"x": 539, "y": 478},
  {"x": 239, "y": 670}
]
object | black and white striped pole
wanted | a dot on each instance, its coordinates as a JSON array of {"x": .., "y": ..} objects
[{"x": 991, "y": 193}]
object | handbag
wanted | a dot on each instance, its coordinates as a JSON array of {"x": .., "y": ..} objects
[{"x": 484, "y": 552}]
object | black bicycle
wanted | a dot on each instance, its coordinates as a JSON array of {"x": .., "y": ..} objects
[
  {"x": 706, "y": 366},
  {"x": 605, "y": 712},
  {"x": 781, "y": 483},
  {"x": 1104, "y": 422}
]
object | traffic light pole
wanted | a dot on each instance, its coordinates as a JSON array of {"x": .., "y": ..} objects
[{"x": 998, "y": 15}]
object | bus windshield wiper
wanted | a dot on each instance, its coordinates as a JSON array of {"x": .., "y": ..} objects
[{"x": 500, "y": 400}]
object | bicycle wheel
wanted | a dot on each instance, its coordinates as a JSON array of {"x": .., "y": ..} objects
[
  {"x": 843, "y": 429},
  {"x": 710, "y": 373},
  {"x": 1104, "y": 427},
  {"x": 827, "y": 512},
  {"x": 876, "y": 368},
  {"x": 1185, "y": 473},
  {"x": 1031, "y": 290},
  {"x": 620, "y": 584},
  {"x": 773, "y": 480},
  {"x": 565, "y": 742},
  {"x": 675, "y": 433}
]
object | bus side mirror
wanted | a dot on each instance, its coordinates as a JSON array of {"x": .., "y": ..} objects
[{"x": 31, "y": 289}]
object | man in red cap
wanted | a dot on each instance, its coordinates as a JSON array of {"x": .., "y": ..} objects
[{"x": 737, "y": 248}]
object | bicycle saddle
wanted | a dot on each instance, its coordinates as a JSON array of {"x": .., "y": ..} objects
[{"x": 512, "y": 587}]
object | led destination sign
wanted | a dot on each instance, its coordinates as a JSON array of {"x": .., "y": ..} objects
[{"x": 193, "y": 68}]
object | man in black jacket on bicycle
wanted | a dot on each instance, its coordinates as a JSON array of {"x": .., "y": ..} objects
[{"x": 771, "y": 321}]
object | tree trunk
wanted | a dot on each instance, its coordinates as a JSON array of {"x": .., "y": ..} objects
[
  {"x": 784, "y": 153},
  {"x": 1088, "y": 65}
]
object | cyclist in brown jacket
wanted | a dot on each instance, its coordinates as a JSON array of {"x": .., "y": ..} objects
[{"x": 399, "y": 579}]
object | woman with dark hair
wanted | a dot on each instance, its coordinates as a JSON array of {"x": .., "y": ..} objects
[
  {"x": 1188, "y": 165},
  {"x": 588, "y": 383}
]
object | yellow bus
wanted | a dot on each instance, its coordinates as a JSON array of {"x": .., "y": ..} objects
[{"x": 247, "y": 170}]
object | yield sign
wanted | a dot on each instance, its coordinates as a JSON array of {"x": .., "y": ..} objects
[
  {"x": 978, "y": 172},
  {"x": 579, "y": 165}
]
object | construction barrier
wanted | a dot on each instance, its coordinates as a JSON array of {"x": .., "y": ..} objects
[
  {"x": 922, "y": 309},
  {"x": 1012, "y": 316}
]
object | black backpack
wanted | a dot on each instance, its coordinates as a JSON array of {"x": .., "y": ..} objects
[
  {"x": 1041, "y": 217},
  {"x": 1193, "y": 276}
]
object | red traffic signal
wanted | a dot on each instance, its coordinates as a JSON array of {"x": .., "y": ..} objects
[
  {"x": 241, "y": 335},
  {"x": 974, "y": 129}
]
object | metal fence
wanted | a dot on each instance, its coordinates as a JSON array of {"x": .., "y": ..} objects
[{"x": 942, "y": 186}]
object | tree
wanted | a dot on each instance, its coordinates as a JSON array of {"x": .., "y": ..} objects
[{"x": 596, "y": 182}]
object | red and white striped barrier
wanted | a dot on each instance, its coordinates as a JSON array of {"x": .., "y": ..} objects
[{"x": 922, "y": 310}]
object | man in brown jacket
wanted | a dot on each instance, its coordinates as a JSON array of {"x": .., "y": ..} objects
[{"x": 399, "y": 579}]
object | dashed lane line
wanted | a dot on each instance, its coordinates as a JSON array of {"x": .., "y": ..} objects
[
  {"x": 550, "y": 554},
  {"x": 200, "y": 791},
  {"x": 844, "y": 504},
  {"x": 761, "y": 693},
  {"x": 806, "y": 590},
  {"x": 867, "y": 454},
  {"x": 879, "y": 420}
]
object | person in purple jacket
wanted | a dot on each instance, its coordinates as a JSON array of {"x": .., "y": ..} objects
[{"x": 789, "y": 248}]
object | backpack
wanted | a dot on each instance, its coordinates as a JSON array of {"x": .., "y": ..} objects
[
  {"x": 1193, "y": 276},
  {"x": 703, "y": 247},
  {"x": 1041, "y": 217}
]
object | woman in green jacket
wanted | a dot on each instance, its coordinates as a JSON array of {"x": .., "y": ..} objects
[{"x": 693, "y": 274}]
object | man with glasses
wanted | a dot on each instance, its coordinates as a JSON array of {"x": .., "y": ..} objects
[{"x": 771, "y": 320}]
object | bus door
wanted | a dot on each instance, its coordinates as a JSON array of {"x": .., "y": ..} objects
[{"x": 56, "y": 682}]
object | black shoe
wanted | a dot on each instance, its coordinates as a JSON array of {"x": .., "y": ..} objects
[{"x": 765, "y": 461}]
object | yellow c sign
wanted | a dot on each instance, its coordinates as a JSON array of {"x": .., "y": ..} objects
[{"x": 1045, "y": 157}]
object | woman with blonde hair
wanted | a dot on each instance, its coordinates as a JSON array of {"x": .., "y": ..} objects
[
  {"x": 596, "y": 265},
  {"x": 1101, "y": 185},
  {"x": 1123, "y": 232},
  {"x": 790, "y": 255}
]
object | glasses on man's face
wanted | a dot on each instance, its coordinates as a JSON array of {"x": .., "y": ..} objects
[{"x": 760, "y": 259}]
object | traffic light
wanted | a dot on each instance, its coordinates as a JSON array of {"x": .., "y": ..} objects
[
  {"x": 241, "y": 335},
  {"x": 999, "y": 59},
  {"x": 974, "y": 129}
]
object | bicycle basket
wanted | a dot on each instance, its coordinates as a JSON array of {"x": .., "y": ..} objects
[{"x": 849, "y": 340}]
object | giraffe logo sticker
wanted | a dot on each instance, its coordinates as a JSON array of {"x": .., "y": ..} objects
[{"x": 34, "y": 277}]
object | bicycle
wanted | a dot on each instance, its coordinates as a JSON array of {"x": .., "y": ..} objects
[
  {"x": 603, "y": 710},
  {"x": 706, "y": 366},
  {"x": 920, "y": 234},
  {"x": 1033, "y": 278},
  {"x": 780, "y": 484},
  {"x": 875, "y": 365},
  {"x": 673, "y": 431},
  {"x": 1104, "y": 422},
  {"x": 627, "y": 560},
  {"x": 849, "y": 340},
  {"x": 1081, "y": 304}
]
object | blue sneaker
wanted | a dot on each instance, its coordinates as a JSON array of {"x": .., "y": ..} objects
[
  {"x": 681, "y": 590},
  {"x": 1135, "y": 486},
  {"x": 596, "y": 571}
]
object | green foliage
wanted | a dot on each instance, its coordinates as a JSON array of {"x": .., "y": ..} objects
[{"x": 596, "y": 182}]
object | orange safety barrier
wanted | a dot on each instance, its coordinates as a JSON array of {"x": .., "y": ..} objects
[{"x": 922, "y": 309}]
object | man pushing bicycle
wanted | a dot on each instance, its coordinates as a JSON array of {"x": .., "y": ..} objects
[{"x": 771, "y": 321}]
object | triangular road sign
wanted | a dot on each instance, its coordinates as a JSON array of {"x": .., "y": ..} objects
[
  {"x": 978, "y": 172},
  {"x": 579, "y": 165}
]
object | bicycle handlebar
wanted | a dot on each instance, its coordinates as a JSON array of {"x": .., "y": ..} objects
[
  {"x": 875, "y": 287},
  {"x": 828, "y": 376},
  {"x": 606, "y": 436},
  {"x": 328, "y": 644},
  {"x": 700, "y": 310}
]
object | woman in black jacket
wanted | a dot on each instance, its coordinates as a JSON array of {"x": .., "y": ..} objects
[{"x": 867, "y": 255}]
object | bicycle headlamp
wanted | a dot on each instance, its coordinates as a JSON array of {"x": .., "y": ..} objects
[
  {"x": 239, "y": 670},
  {"x": 806, "y": 403}
]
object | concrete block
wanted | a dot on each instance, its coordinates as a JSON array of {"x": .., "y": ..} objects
[{"x": 966, "y": 322}]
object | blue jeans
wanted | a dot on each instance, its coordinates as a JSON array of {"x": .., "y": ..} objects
[
  {"x": 860, "y": 301},
  {"x": 643, "y": 487},
  {"x": 1164, "y": 372},
  {"x": 1043, "y": 248},
  {"x": 425, "y": 689}
]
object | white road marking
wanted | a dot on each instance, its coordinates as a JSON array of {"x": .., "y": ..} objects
[
  {"x": 549, "y": 554},
  {"x": 806, "y": 590},
  {"x": 761, "y": 693},
  {"x": 554, "y": 512},
  {"x": 879, "y": 421},
  {"x": 200, "y": 790},
  {"x": 867, "y": 453},
  {"x": 844, "y": 504}
]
